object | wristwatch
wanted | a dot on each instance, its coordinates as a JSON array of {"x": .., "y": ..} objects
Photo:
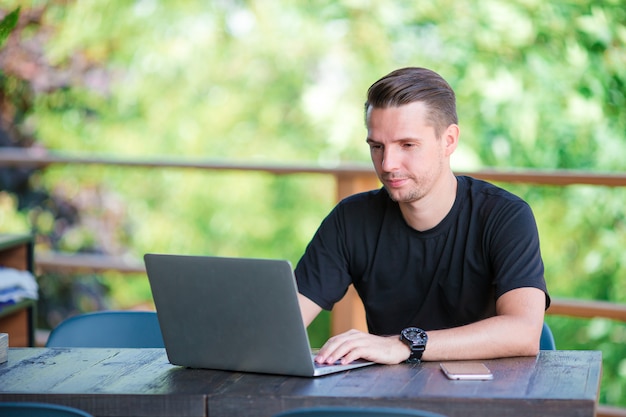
[{"x": 415, "y": 338}]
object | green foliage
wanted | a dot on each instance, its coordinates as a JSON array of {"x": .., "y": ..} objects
[
  {"x": 539, "y": 85},
  {"x": 7, "y": 24}
]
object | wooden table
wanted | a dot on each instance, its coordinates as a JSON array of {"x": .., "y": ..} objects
[{"x": 141, "y": 383}]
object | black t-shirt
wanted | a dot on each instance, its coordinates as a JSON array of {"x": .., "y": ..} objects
[{"x": 444, "y": 277}]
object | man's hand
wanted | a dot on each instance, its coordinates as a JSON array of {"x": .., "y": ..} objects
[{"x": 354, "y": 344}]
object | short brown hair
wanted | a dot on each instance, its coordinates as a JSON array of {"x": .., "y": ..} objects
[{"x": 408, "y": 85}]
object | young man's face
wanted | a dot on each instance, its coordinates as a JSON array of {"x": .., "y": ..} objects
[{"x": 408, "y": 157}]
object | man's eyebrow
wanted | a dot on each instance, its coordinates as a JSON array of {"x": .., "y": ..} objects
[{"x": 400, "y": 140}]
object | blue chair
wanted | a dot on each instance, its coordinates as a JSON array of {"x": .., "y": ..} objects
[
  {"x": 39, "y": 410},
  {"x": 356, "y": 412},
  {"x": 547, "y": 339},
  {"x": 109, "y": 329}
]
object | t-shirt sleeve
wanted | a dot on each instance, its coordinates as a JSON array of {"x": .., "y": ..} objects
[
  {"x": 322, "y": 272},
  {"x": 515, "y": 250}
]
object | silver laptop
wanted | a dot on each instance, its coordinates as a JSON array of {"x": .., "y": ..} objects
[{"x": 234, "y": 314}]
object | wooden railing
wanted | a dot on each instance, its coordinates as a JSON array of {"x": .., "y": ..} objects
[{"x": 349, "y": 179}]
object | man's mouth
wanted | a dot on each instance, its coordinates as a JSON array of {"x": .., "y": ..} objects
[{"x": 395, "y": 182}]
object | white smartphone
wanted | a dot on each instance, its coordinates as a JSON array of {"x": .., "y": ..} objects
[{"x": 466, "y": 370}]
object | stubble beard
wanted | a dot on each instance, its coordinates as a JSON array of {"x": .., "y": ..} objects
[
  {"x": 418, "y": 187},
  {"x": 415, "y": 193}
]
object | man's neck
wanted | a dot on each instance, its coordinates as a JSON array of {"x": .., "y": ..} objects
[{"x": 429, "y": 211}]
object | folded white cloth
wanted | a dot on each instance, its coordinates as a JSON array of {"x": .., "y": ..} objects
[{"x": 15, "y": 285}]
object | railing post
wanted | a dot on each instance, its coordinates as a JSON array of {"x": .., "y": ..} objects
[{"x": 349, "y": 312}]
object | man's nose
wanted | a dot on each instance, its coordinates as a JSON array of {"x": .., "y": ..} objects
[{"x": 390, "y": 160}]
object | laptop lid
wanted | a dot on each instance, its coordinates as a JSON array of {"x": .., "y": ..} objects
[{"x": 235, "y": 314}]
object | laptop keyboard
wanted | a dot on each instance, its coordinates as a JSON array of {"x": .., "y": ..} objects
[{"x": 337, "y": 363}]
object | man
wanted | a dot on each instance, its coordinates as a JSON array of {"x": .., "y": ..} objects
[{"x": 448, "y": 268}]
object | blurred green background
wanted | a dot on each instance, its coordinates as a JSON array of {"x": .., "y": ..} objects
[{"x": 539, "y": 85}]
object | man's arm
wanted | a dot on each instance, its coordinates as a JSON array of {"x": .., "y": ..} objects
[
  {"x": 308, "y": 309},
  {"x": 514, "y": 331}
]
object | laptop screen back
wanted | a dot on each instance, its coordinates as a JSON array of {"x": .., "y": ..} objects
[{"x": 230, "y": 313}]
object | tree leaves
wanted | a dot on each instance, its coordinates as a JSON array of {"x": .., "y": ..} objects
[{"x": 7, "y": 24}]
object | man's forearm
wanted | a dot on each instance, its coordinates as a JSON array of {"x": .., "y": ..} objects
[{"x": 514, "y": 331}]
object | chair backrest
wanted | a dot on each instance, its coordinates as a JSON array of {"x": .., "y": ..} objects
[
  {"x": 109, "y": 329},
  {"x": 356, "y": 412},
  {"x": 547, "y": 339},
  {"x": 39, "y": 410}
]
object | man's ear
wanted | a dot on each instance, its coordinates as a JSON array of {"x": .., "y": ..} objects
[{"x": 451, "y": 138}]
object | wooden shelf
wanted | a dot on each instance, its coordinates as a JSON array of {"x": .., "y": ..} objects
[{"x": 18, "y": 320}]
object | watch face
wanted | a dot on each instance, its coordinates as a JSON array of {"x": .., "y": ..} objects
[{"x": 415, "y": 335}]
